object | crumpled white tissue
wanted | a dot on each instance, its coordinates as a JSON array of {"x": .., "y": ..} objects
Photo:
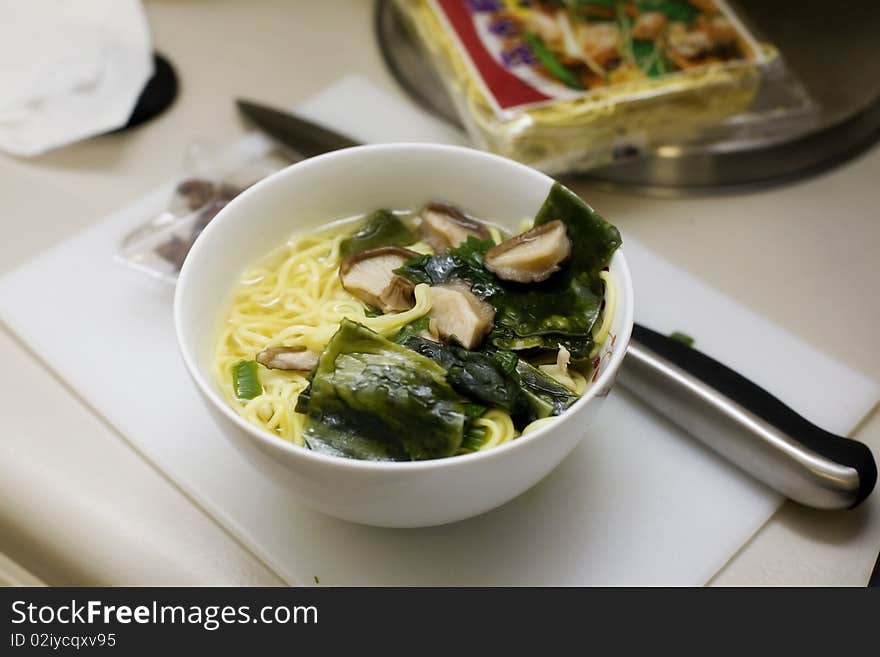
[{"x": 69, "y": 69}]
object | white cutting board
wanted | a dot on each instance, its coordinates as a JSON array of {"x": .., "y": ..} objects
[{"x": 638, "y": 502}]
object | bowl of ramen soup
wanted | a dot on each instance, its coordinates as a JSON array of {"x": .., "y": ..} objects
[{"x": 405, "y": 335}]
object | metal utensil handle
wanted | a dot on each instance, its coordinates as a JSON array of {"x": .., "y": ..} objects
[{"x": 747, "y": 424}]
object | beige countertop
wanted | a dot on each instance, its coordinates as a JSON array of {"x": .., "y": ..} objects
[{"x": 805, "y": 255}]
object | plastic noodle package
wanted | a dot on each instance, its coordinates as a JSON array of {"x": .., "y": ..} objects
[
  {"x": 568, "y": 85},
  {"x": 211, "y": 177}
]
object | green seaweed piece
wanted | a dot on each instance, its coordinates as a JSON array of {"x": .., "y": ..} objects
[
  {"x": 593, "y": 239},
  {"x": 376, "y": 400},
  {"x": 380, "y": 228},
  {"x": 564, "y": 308},
  {"x": 473, "y": 374},
  {"x": 462, "y": 262},
  {"x": 545, "y": 395},
  {"x": 507, "y": 361},
  {"x": 498, "y": 379}
]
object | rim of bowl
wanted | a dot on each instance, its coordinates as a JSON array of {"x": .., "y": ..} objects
[{"x": 274, "y": 442}]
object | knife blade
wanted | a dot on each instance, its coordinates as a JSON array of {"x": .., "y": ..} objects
[
  {"x": 730, "y": 414},
  {"x": 304, "y": 137}
]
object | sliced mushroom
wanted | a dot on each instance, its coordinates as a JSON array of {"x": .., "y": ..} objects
[
  {"x": 649, "y": 25},
  {"x": 457, "y": 314},
  {"x": 599, "y": 41},
  {"x": 532, "y": 256},
  {"x": 720, "y": 30},
  {"x": 685, "y": 45},
  {"x": 369, "y": 275},
  {"x": 289, "y": 358},
  {"x": 444, "y": 227}
]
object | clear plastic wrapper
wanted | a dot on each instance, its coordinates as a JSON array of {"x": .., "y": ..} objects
[
  {"x": 211, "y": 178},
  {"x": 568, "y": 85}
]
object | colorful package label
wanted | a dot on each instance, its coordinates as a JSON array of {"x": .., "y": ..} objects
[{"x": 529, "y": 53}]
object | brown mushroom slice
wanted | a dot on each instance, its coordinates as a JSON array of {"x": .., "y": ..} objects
[
  {"x": 721, "y": 31},
  {"x": 532, "y": 256},
  {"x": 444, "y": 227},
  {"x": 599, "y": 41},
  {"x": 649, "y": 25},
  {"x": 289, "y": 358},
  {"x": 369, "y": 275},
  {"x": 684, "y": 44},
  {"x": 456, "y": 313}
]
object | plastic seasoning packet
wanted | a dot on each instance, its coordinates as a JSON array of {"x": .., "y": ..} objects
[
  {"x": 211, "y": 177},
  {"x": 568, "y": 85}
]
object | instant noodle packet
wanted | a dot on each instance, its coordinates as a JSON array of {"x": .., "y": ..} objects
[{"x": 568, "y": 85}]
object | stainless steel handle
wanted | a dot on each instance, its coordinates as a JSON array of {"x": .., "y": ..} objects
[{"x": 747, "y": 425}]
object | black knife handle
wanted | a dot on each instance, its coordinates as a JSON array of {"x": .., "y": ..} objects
[{"x": 747, "y": 424}]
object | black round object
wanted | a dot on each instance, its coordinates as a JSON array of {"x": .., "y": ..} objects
[{"x": 157, "y": 96}]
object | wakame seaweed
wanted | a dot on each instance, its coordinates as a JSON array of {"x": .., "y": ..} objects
[
  {"x": 497, "y": 379},
  {"x": 564, "y": 308},
  {"x": 379, "y": 228},
  {"x": 471, "y": 373},
  {"x": 376, "y": 400},
  {"x": 462, "y": 262},
  {"x": 546, "y": 396},
  {"x": 559, "y": 311}
]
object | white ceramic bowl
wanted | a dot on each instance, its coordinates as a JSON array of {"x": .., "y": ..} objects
[{"x": 343, "y": 184}]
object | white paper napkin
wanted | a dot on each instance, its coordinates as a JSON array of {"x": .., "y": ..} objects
[{"x": 69, "y": 70}]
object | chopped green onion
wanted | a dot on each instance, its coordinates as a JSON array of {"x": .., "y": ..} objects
[
  {"x": 246, "y": 380},
  {"x": 684, "y": 338},
  {"x": 473, "y": 411},
  {"x": 548, "y": 60},
  {"x": 474, "y": 438}
]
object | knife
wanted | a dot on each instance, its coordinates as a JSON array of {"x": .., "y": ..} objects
[
  {"x": 732, "y": 415},
  {"x": 307, "y": 139}
]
